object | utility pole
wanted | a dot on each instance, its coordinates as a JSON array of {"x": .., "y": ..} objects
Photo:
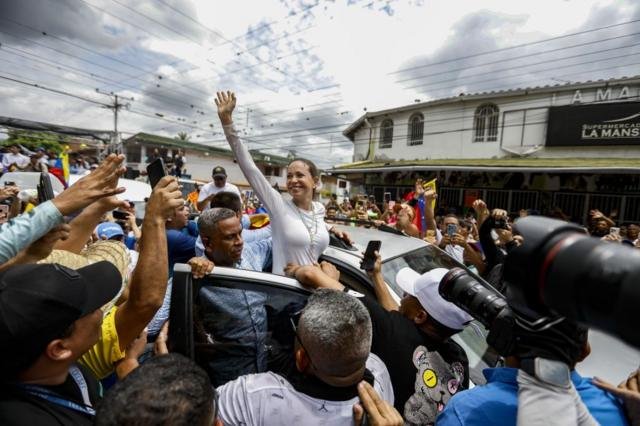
[{"x": 115, "y": 144}]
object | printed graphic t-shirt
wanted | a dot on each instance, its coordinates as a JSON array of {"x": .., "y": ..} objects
[{"x": 425, "y": 373}]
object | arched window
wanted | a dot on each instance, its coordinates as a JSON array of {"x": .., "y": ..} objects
[
  {"x": 386, "y": 134},
  {"x": 416, "y": 129},
  {"x": 485, "y": 123}
]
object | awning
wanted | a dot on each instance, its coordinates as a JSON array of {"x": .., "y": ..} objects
[{"x": 548, "y": 165}]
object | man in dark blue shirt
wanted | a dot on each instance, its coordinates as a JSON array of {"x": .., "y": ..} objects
[{"x": 181, "y": 237}]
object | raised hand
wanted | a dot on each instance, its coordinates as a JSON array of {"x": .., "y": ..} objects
[
  {"x": 8, "y": 191},
  {"x": 419, "y": 189},
  {"x": 100, "y": 183},
  {"x": 226, "y": 103},
  {"x": 165, "y": 198},
  {"x": 479, "y": 206}
]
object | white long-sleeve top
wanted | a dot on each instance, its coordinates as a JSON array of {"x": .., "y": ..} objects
[{"x": 299, "y": 236}]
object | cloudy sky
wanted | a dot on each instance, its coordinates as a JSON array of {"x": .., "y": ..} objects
[{"x": 302, "y": 70}]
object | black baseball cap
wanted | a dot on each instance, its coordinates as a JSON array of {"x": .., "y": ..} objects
[
  {"x": 219, "y": 171},
  {"x": 39, "y": 302}
]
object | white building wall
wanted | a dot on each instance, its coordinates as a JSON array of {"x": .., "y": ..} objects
[
  {"x": 200, "y": 165},
  {"x": 449, "y": 133}
]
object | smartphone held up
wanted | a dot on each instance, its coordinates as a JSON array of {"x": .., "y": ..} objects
[{"x": 369, "y": 259}]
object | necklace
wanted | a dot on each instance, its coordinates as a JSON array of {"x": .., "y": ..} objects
[{"x": 315, "y": 223}]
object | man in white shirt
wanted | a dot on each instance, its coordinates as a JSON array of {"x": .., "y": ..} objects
[
  {"x": 13, "y": 160},
  {"x": 331, "y": 356},
  {"x": 219, "y": 184}
]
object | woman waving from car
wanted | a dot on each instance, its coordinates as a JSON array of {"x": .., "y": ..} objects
[{"x": 300, "y": 234}]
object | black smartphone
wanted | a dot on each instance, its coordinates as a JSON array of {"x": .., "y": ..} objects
[
  {"x": 118, "y": 215},
  {"x": 9, "y": 184},
  {"x": 156, "y": 171},
  {"x": 369, "y": 259},
  {"x": 45, "y": 191},
  {"x": 501, "y": 223}
]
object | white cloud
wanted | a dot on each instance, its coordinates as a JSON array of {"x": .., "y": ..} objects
[{"x": 355, "y": 47}]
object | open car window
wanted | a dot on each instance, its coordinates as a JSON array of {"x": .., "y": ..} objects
[{"x": 235, "y": 322}]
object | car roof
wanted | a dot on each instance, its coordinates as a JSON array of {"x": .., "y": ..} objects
[
  {"x": 30, "y": 180},
  {"x": 393, "y": 245}
]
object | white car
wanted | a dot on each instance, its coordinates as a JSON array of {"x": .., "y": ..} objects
[
  {"x": 397, "y": 251},
  {"x": 286, "y": 295}
]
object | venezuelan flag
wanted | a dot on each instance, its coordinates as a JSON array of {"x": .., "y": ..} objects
[
  {"x": 61, "y": 168},
  {"x": 64, "y": 160}
]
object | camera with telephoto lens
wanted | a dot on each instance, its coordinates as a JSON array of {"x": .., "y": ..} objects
[{"x": 558, "y": 272}]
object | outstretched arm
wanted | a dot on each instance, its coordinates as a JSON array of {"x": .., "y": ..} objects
[
  {"x": 149, "y": 280},
  {"x": 226, "y": 103},
  {"x": 380, "y": 287},
  {"x": 312, "y": 276}
]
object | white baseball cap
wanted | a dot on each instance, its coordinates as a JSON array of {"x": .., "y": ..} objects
[{"x": 425, "y": 288}]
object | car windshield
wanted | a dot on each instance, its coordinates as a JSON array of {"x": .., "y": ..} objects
[
  {"x": 421, "y": 260},
  {"x": 472, "y": 338}
]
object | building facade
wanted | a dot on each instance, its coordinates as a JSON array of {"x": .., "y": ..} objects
[
  {"x": 568, "y": 147},
  {"x": 201, "y": 159}
]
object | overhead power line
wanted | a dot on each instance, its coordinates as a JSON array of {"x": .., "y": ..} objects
[
  {"x": 503, "y": 49},
  {"x": 529, "y": 55}
]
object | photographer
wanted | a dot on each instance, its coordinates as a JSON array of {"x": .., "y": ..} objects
[
  {"x": 494, "y": 251},
  {"x": 497, "y": 402},
  {"x": 552, "y": 281}
]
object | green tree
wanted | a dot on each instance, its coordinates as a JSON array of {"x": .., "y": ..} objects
[
  {"x": 183, "y": 136},
  {"x": 32, "y": 140}
]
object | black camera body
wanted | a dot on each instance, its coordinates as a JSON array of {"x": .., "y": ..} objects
[{"x": 558, "y": 272}]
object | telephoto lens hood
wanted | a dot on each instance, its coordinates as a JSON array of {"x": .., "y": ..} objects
[{"x": 560, "y": 270}]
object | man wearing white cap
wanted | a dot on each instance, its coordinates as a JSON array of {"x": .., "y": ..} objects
[{"x": 413, "y": 338}]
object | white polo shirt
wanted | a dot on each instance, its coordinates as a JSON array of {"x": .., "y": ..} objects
[
  {"x": 211, "y": 189},
  {"x": 269, "y": 399}
]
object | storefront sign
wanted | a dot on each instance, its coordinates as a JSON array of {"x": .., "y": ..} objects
[{"x": 594, "y": 125}]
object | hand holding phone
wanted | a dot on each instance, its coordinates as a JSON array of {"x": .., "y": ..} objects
[
  {"x": 156, "y": 171},
  {"x": 118, "y": 215},
  {"x": 369, "y": 259},
  {"x": 45, "y": 191}
]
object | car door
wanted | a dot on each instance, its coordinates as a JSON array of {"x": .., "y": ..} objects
[{"x": 227, "y": 340}]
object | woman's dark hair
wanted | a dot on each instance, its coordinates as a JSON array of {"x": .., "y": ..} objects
[{"x": 312, "y": 167}]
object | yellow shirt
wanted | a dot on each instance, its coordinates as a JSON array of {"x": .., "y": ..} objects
[{"x": 103, "y": 356}]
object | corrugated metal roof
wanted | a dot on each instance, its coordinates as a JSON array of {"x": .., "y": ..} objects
[
  {"x": 165, "y": 141},
  {"x": 349, "y": 131},
  {"x": 161, "y": 140}
]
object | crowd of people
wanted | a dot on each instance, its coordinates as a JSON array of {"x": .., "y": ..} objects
[{"x": 85, "y": 299}]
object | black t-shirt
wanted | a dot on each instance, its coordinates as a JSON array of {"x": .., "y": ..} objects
[
  {"x": 425, "y": 373},
  {"x": 17, "y": 407}
]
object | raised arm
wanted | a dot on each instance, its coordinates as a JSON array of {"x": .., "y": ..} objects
[
  {"x": 149, "y": 279},
  {"x": 23, "y": 230},
  {"x": 380, "y": 287},
  {"x": 226, "y": 103}
]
